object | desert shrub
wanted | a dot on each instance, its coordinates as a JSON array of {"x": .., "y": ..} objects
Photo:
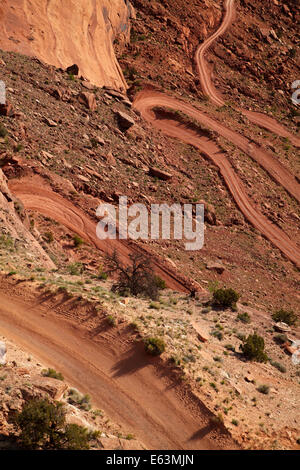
[
  {"x": 244, "y": 317},
  {"x": 52, "y": 373},
  {"x": 111, "y": 320},
  {"x": 79, "y": 400},
  {"x": 278, "y": 366},
  {"x": 77, "y": 437},
  {"x": 263, "y": 389},
  {"x": 77, "y": 241},
  {"x": 43, "y": 426},
  {"x": 135, "y": 279},
  {"x": 253, "y": 348},
  {"x": 3, "y": 131},
  {"x": 217, "y": 334},
  {"x": 154, "y": 306},
  {"x": 75, "y": 269},
  {"x": 48, "y": 236},
  {"x": 102, "y": 275},
  {"x": 154, "y": 346},
  {"x": 6, "y": 242},
  {"x": 286, "y": 316},
  {"x": 280, "y": 338},
  {"x": 225, "y": 298},
  {"x": 230, "y": 347},
  {"x": 161, "y": 283}
]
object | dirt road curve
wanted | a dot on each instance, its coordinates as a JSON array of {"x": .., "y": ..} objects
[
  {"x": 135, "y": 391},
  {"x": 147, "y": 100},
  {"x": 51, "y": 204},
  {"x": 209, "y": 90},
  {"x": 204, "y": 74}
]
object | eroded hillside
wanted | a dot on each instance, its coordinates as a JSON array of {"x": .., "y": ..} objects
[{"x": 70, "y": 32}]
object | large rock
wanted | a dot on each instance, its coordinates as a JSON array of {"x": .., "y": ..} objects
[
  {"x": 67, "y": 32},
  {"x": 161, "y": 174},
  {"x": 218, "y": 267},
  {"x": 73, "y": 70},
  {"x": 55, "y": 388},
  {"x": 88, "y": 100},
  {"x": 125, "y": 121}
]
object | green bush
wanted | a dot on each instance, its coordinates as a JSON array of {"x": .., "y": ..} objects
[
  {"x": 253, "y": 348},
  {"x": 263, "y": 389},
  {"x": 136, "y": 279},
  {"x": 3, "y": 131},
  {"x": 286, "y": 316},
  {"x": 48, "y": 236},
  {"x": 244, "y": 317},
  {"x": 278, "y": 366},
  {"x": 225, "y": 298},
  {"x": 43, "y": 426},
  {"x": 111, "y": 320},
  {"x": 77, "y": 241},
  {"x": 155, "y": 346},
  {"x": 75, "y": 269},
  {"x": 161, "y": 283},
  {"x": 77, "y": 399},
  {"x": 52, "y": 373}
]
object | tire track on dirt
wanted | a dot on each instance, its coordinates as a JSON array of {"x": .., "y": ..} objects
[
  {"x": 136, "y": 392},
  {"x": 149, "y": 99},
  {"x": 209, "y": 90},
  {"x": 51, "y": 204}
]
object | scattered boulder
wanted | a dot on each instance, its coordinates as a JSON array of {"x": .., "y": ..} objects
[
  {"x": 88, "y": 85},
  {"x": 115, "y": 93},
  {"x": 161, "y": 174},
  {"x": 88, "y": 100},
  {"x": 73, "y": 70},
  {"x": 282, "y": 327},
  {"x": 249, "y": 378},
  {"x": 125, "y": 121},
  {"x": 209, "y": 213},
  {"x": 110, "y": 443},
  {"x": 50, "y": 122},
  {"x": 6, "y": 110},
  {"x": 218, "y": 267},
  {"x": 55, "y": 388}
]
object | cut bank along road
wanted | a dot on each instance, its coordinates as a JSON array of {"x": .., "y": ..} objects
[
  {"x": 50, "y": 204},
  {"x": 135, "y": 391},
  {"x": 147, "y": 100}
]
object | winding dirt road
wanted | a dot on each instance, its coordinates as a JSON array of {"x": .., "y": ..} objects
[
  {"x": 51, "y": 204},
  {"x": 146, "y": 100},
  {"x": 209, "y": 90},
  {"x": 136, "y": 392}
]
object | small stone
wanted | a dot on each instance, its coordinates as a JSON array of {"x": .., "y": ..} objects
[
  {"x": 161, "y": 174},
  {"x": 50, "y": 122}
]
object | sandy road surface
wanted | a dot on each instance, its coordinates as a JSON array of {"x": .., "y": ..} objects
[
  {"x": 147, "y": 100},
  {"x": 209, "y": 90},
  {"x": 135, "y": 391},
  {"x": 51, "y": 204}
]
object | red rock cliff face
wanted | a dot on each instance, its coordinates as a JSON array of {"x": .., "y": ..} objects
[{"x": 63, "y": 32}]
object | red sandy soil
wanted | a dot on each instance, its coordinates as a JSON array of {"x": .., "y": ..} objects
[
  {"x": 137, "y": 392},
  {"x": 146, "y": 100},
  {"x": 51, "y": 204}
]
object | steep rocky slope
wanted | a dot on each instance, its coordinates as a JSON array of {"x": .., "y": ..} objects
[
  {"x": 70, "y": 32},
  {"x": 63, "y": 150}
]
